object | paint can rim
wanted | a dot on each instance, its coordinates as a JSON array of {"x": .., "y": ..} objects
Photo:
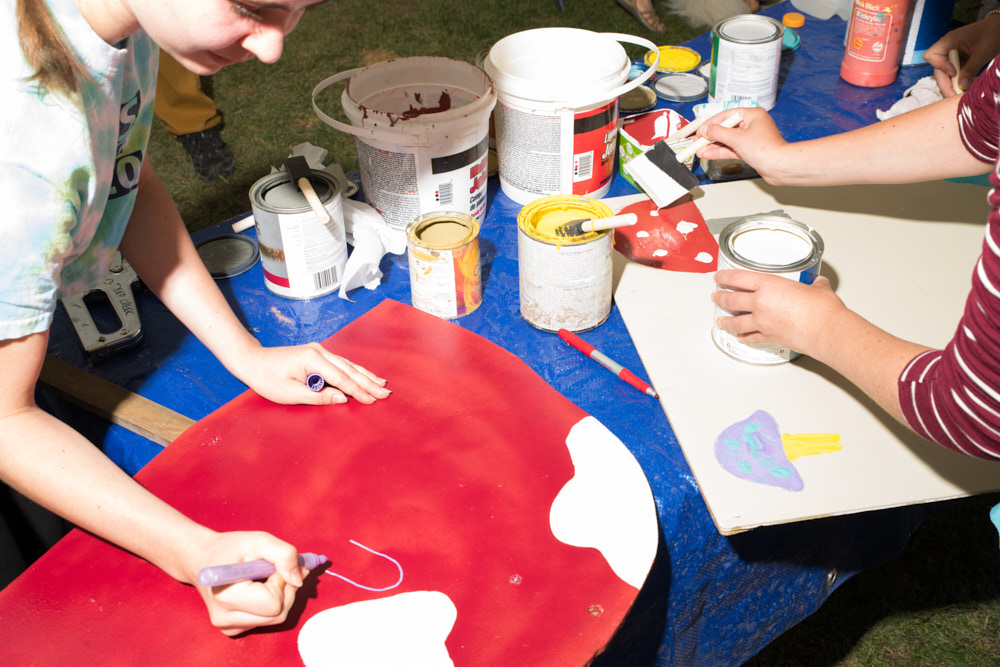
[
  {"x": 425, "y": 220},
  {"x": 531, "y": 214},
  {"x": 773, "y": 222}
]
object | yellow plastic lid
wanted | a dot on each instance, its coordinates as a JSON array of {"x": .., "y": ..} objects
[
  {"x": 793, "y": 20},
  {"x": 675, "y": 59}
]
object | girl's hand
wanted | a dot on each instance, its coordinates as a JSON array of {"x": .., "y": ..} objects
[
  {"x": 771, "y": 309},
  {"x": 279, "y": 374},
  {"x": 237, "y": 608},
  {"x": 756, "y": 140}
]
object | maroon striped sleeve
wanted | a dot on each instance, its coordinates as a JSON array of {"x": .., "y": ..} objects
[{"x": 952, "y": 396}]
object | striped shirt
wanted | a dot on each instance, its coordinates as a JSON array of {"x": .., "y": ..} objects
[{"x": 952, "y": 396}]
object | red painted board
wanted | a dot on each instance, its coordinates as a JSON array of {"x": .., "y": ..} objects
[
  {"x": 453, "y": 476},
  {"x": 674, "y": 238}
]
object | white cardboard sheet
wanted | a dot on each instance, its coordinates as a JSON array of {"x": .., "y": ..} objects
[{"x": 900, "y": 255}]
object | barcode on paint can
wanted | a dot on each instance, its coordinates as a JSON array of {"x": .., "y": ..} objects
[
  {"x": 324, "y": 279},
  {"x": 445, "y": 194},
  {"x": 583, "y": 166}
]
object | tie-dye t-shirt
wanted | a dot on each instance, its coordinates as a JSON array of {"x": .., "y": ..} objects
[{"x": 69, "y": 167}]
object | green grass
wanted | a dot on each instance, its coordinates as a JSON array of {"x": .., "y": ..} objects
[
  {"x": 936, "y": 604},
  {"x": 267, "y": 109}
]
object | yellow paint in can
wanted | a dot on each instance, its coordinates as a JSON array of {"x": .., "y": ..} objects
[{"x": 565, "y": 283}]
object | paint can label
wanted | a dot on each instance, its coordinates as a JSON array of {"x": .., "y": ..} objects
[
  {"x": 302, "y": 258},
  {"x": 746, "y": 59},
  {"x": 767, "y": 244},
  {"x": 401, "y": 182},
  {"x": 565, "y": 283},
  {"x": 556, "y": 152},
  {"x": 445, "y": 274}
]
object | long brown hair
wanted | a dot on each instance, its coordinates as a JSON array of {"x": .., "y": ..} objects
[{"x": 56, "y": 67}]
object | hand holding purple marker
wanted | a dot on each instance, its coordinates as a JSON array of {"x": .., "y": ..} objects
[
  {"x": 315, "y": 381},
  {"x": 220, "y": 575}
]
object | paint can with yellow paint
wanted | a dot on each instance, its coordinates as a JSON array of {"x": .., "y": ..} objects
[
  {"x": 445, "y": 274},
  {"x": 565, "y": 282}
]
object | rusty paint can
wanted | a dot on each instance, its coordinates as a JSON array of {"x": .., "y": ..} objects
[
  {"x": 767, "y": 244},
  {"x": 565, "y": 282},
  {"x": 445, "y": 275},
  {"x": 302, "y": 257}
]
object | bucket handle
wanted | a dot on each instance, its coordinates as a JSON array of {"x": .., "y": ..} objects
[
  {"x": 628, "y": 85},
  {"x": 379, "y": 134}
]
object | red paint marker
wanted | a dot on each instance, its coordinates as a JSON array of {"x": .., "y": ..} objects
[{"x": 607, "y": 362}]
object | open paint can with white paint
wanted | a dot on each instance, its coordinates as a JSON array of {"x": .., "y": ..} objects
[
  {"x": 445, "y": 275},
  {"x": 766, "y": 244},
  {"x": 302, "y": 257},
  {"x": 565, "y": 282}
]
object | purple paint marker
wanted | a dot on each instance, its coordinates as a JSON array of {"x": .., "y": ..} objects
[
  {"x": 315, "y": 381},
  {"x": 220, "y": 575}
]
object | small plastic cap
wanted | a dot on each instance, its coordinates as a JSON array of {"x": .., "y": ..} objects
[{"x": 793, "y": 20}]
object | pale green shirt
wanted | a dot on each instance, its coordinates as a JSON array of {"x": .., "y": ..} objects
[{"x": 68, "y": 167}]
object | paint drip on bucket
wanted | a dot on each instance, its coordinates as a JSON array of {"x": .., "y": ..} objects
[
  {"x": 565, "y": 282},
  {"x": 557, "y": 113},
  {"x": 767, "y": 244},
  {"x": 421, "y": 129},
  {"x": 445, "y": 276},
  {"x": 302, "y": 257}
]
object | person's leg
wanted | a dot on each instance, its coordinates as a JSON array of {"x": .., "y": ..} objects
[
  {"x": 644, "y": 13},
  {"x": 192, "y": 118}
]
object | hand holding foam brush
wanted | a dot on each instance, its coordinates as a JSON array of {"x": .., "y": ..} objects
[
  {"x": 299, "y": 170},
  {"x": 661, "y": 172},
  {"x": 581, "y": 227}
]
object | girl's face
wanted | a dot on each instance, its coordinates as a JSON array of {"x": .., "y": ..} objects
[{"x": 207, "y": 35}]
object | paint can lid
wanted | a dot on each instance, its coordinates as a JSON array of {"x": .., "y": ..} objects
[
  {"x": 227, "y": 255},
  {"x": 674, "y": 59},
  {"x": 637, "y": 100},
  {"x": 790, "y": 40},
  {"x": 681, "y": 87}
]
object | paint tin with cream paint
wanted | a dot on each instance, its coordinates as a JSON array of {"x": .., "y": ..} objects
[
  {"x": 565, "y": 282},
  {"x": 445, "y": 275},
  {"x": 302, "y": 257},
  {"x": 767, "y": 244}
]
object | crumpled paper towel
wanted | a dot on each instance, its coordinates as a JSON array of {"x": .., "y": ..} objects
[
  {"x": 923, "y": 92},
  {"x": 365, "y": 228}
]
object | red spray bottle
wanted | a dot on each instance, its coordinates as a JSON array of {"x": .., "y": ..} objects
[{"x": 874, "y": 38}]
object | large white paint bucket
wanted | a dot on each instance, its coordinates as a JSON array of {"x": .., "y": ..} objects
[
  {"x": 421, "y": 128},
  {"x": 557, "y": 113}
]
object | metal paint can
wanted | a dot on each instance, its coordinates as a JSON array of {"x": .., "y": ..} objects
[
  {"x": 767, "y": 244},
  {"x": 746, "y": 58},
  {"x": 445, "y": 275},
  {"x": 302, "y": 257},
  {"x": 565, "y": 282}
]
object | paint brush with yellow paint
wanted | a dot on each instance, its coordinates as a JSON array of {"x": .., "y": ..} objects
[{"x": 585, "y": 225}]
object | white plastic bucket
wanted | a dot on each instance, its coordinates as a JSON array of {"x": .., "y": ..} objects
[
  {"x": 557, "y": 113},
  {"x": 421, "y": 128}
]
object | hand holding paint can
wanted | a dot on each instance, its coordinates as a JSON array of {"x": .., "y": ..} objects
[{"x": 766, "y": 244}]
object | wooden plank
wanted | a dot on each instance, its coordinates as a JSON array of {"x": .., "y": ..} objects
[{"x": 116, "y": 404}]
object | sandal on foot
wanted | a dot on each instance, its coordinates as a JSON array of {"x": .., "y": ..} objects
[{"x": 649, "y": 20}]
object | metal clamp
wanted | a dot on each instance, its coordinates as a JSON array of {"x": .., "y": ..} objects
[{"x": 117, "y": 290}]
